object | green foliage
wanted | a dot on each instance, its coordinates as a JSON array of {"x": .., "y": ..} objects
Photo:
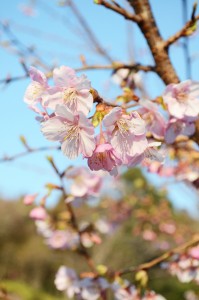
[{"x": 22, "y": 291}]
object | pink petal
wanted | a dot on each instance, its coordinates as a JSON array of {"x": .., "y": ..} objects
[
  {"x": 64, "y": 77},
  {"x": 38, "y": 76}
]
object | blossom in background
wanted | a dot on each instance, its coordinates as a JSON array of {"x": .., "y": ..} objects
[
  {"x": 38, "y": 213},
  {"x": 63, "y": 239},
  {"x": 29, "y": 199},
  {"x": 85, "y": 183},
  {"x": 70, "y": 90},
  {"x": 178, "y": 127},
  {"x": 183, "y": 100},
  {"x": 155, "y": 122},
  {"x": 66, "y": 280},
  {"x": 91, "y": 289},
  {"x": 74, "y": 131},
  {"x": 185, "y": 266},
  {"x": 129, "y": 292}
]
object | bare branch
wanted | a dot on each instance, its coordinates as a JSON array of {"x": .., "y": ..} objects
[
  {"x": 89, "y": 32},
  {"x": 114, "y": 66},
  {"x": 163, "y": 257},
  {"x": 120, "y": 10},
  {"x": 181, "y": 33},
  {"x": 27, "y": 152}
]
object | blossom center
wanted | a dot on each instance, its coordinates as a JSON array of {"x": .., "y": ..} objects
[
  {"x": 181, "y": 97},
  {"x": 69, "y": 95},
  {"x": 123, "y": 126},
  {"x": 72, "y": 133}
]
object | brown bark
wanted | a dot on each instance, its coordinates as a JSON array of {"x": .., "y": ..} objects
[{"x": 148, "y": 26}]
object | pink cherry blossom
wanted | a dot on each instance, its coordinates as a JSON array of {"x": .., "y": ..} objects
[
  {"x": 36, "y": 89},
  {"x": 70, "y": 90},
  {"x": 66, "y": 280},
  {"x": 149, "y": 155},
  {"x": 155, "y": 122},
  {"x": 104, "y": 158},
  {"x": 74, "y": 131},
  {"x": 178, "y": 127},
  {"x": 29, "y": 199},
  {"x": 194, "y": 252},
  {"x": 61, "y": 239},
  {"x": 149, "y": 235},
  {"x": 38, "y": 213},
  {"x": 127, "y": 133},
  {"x": 183, "y": 100},
  {"x": 91, "y": 289},
  {"x": 85, "y": 183}
]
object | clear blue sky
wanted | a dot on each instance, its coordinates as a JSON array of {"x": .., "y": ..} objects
[{"x": 59, "y": 39}]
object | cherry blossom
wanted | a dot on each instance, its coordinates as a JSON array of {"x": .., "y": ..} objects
[
  {"x": 38, "y": 213},
  {"x": 155, "y": 122},
  {"x": 104, "y": 158},
  {"x": 127, "y": 133},
  {"x": 185, "y": 266},
  {"x": 183, "y": 100},
  {"x": 36, "y": 91},
  {"x": 91, "y": 289},
  {"x": 74, "y": 131},
  {"x": 70, "y": 90},
  {"x": 29, "y": 199},
  {"x": 85, "y": 183},
  {"x": 178, "y": 127},
  {"x": 149, "y": 155},
  {"x": 66, "y": 280},
  {"x": 60, "y": 239}
]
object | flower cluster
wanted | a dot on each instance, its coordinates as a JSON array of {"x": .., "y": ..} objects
[
  {"x": 93, "y": 288},
  {"x": 185, "y": 266},
  {"x": 182, "y": 102},
  {"x": 64, "y": 110}
]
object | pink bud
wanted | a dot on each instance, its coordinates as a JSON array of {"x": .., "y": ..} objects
[
  {"x": 38, "y": 213},
  {"x": 29, "y": 199}
]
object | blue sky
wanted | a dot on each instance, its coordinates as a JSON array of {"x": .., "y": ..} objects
[{"x": 58, "y": 39}]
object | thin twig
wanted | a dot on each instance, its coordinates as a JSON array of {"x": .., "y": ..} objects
[
  {"x": 114, "y": 66},
  {"x": 120, "y": 10},
  {"x": 186, "y": 42},
  {"x": 81, "y": 250},
  {"x": 27, "y": 152},
  {"x": 161, "y": 258},
  {"x": 88, "y": 31},
  {"x": 181, "y": 33}
]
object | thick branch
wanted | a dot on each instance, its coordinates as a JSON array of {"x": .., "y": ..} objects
[
  {"x": 120, "y": 10},
  {"x": 148, "y": 26}
]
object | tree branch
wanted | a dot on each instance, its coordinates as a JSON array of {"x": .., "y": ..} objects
[
  {"x": 114, "y": 66},
  {"x": 148, "y": 26},
  {"x": 163, "y": 257},
  {"x": 28, "y": 151},
  {"x": 181, "y": 33},
  {"x": 120, "y": 10},
  {"x": 89, "y": 32}
]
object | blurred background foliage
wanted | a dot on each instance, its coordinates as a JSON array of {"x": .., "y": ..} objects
[{"x": 138, "y": 218}]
